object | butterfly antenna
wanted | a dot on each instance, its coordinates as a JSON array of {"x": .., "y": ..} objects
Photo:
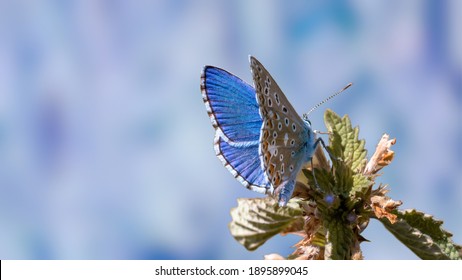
[{"x": 305, "y": 116}]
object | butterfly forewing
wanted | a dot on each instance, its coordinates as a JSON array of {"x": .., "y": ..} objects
[{"x": 231, "y": 105}]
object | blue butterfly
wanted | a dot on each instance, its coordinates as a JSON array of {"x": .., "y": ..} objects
[{"x": 259, "y": 137}]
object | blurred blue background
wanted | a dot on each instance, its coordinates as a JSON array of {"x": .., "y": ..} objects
[{"x": 106, "y": 148}]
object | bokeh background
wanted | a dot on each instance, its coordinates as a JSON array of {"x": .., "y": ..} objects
[{"x": 106, "y": 148}]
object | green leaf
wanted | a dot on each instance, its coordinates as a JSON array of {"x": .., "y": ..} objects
[
  {"x": 340, "y": 240},
  {"x": 325, "y": 179},
  {"x": 344, "y": 142},
  {"x": 361, "y": 184},
  {"x": 343, "y": 179},
  {"x": 423, "y": 235},
  {"x": 256, "y": 220}
]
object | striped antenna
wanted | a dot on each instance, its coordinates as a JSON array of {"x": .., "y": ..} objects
[{"x": 305, "y": 116}]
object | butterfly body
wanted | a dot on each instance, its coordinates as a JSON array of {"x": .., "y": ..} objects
[{"x": 259, "y": 137}]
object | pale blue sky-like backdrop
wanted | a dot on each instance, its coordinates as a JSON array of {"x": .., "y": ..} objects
[{"x": 106, "y": 148}]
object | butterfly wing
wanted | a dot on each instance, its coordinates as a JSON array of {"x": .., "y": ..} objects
[
  {"x": 286, "y": 141},
  {"x": 231, "y": 105},
  {"x": 233, "y": 110},
  {"x": 244, "y": 163}
]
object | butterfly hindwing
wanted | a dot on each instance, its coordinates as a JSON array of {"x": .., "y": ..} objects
[{"x": 244, "y": 163}]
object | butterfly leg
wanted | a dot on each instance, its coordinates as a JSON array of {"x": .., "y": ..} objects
[
  {"x": 316, "y": 143},
  {"x": 319, "y": 140},
  {"x": 314, "y": 176}
]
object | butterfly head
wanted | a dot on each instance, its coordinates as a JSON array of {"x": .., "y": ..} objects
[
  {"x": 306, "y": 120},
  {"x": 309, "y": 131}
]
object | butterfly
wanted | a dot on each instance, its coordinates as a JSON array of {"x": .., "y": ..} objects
[{"x": 259, "y": 137}]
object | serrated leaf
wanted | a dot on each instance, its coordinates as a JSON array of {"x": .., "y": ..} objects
[
  {"x": 324, "y": 178},
  {"x": 343, "y": 179},
  {"x": 256, "y": 220},
  {"x": 423, "y": 235},
  {"x": 361, "y": 184},
  {"x": 340, "y": 241},
  {"x": 344, "y": 142}
]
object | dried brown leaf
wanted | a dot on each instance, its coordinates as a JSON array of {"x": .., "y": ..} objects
[
  {"x": 307, "y": 251},
  {"x": 382, "y": 156},
  {"x": 382, "y": 205}
]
